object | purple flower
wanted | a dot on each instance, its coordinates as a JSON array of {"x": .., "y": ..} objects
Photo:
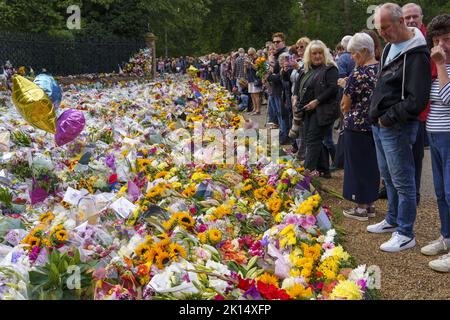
[
  {"x": 15, "y": 257},
  {"x": 34, "y": 254},
  {"x": 110, "y": 161},
  {"x": 252, "y": 294},
  {"x": 362, "y": 284},
  {"x": 185, "y": 277},
  {"x": 305, "y": 183},
  {"x": 265, "y": 241},
  {"x": 239, "y": 216}
]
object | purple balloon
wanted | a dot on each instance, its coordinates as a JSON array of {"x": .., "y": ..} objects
[{"x": 68, "y": 126}]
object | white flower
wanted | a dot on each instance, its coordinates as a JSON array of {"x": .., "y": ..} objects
[
  {"x": 219, "y": 285},
  {"x": 291, "y": 172},
  {"x": 359, "y": 274},
  {"x": 218, "y": 267},
  {"x": 70, "y": 224}
]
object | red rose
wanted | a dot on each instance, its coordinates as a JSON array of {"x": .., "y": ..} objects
[{"x": 113, "y": 178}]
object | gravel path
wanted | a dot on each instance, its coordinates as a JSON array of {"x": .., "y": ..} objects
[{"x": 404, "y": 275}]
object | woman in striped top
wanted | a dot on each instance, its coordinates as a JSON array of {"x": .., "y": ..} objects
[{"x": 438, "y": 128}]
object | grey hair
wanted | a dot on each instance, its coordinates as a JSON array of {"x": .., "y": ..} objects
[
  {"x": 394, "y": 10},
  {"x": 345, "y": 40},
  {"x": 361, "y": 41},
  {"x": 283, "y": 56},
  {"x": 412, "y": 4}
]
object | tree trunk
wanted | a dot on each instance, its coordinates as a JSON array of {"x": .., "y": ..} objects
[{"x": 347, "y": 16}]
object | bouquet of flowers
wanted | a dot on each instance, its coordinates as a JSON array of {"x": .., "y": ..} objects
[{"x": 262, "y": 67}]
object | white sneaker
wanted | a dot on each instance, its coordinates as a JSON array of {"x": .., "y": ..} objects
[
  {"x": 381, "y": 227},
  {"x": 398, "y": 243},
  {"x": 442, "y": 264},
  {"x": 436, "y": 247}
]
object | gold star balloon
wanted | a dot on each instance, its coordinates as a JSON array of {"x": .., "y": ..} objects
[{"x": 33, "y": 104}]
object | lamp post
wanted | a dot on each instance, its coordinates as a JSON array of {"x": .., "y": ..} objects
[{"x": 150, "y": 40}]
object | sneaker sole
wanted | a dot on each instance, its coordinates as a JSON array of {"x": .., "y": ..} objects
[
  {"x": 430, "y": 254},
  {"x": 410, "y": 245},
  {"x": 356, "y": 217},
  {"x": 438, "y": 269},
  {"x": 390, "y": 230}
]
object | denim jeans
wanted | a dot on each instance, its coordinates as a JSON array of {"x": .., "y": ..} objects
[
  {"x": 396, "y": 164},
  {"x": 272, "y": 111},
  {"x": 244, "y": 102},
  {"x": 275, "y": 101},
  {"x": 440, "y": 161}
]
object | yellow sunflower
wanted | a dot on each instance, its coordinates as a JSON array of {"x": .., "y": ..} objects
[
  {"x": 215, "y": 236},
  {"x": 185, "y": 220},
  {"x": 162, "y": 259},
  {"x": 176, "y": 251},
  {"x": 62, "y": 236},
  {"x": 34, "y": 241},
  {"x": 142, "y": 249},
  {"x": 46, "y": 217},
  {"x": 268, "y": 278},
  {"x": 262, "y": 182}
]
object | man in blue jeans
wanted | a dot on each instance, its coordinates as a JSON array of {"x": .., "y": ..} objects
[{"x": 400, "y": 96}]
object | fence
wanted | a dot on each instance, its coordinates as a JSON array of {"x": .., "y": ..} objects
[{"x": 61, "y": 56}]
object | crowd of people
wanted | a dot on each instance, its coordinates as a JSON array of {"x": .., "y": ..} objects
[{"x": 388, "y": 101}]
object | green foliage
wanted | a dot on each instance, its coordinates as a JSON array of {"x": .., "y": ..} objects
[
  {"x": 57, "y": 281},
  {"x": 21, "y": 138},
  {"x": 6, "y": 197},
  {"x": 196, "y": 27}
]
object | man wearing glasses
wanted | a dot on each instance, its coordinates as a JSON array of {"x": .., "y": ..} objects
[{"x": 277, "y": 85}]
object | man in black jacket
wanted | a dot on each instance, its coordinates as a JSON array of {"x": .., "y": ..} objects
[
  {"x": 275, "y": 81},
  {"x": 400, "y": 96}
]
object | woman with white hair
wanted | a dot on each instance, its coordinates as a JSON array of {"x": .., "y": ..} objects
[
  {"x": 361, "y": 174},
  {"x": 316, "y": 91}
]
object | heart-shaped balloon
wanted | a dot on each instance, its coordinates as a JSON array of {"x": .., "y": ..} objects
[
  {"x": 33, "y": 104},
  {"x": 69, "y": 126}
]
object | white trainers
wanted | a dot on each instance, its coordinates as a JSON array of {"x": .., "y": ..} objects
[
  {"x": 398, "y": 243},
  {"x": 442, "y": 264},
  {"x": 381, "y": 227},
  {"x": 436, "y": 247}
]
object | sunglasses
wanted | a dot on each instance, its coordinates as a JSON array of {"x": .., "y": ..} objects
[
  {"x": 301, "y": 47},
  {"x": 278, "y": 41}
]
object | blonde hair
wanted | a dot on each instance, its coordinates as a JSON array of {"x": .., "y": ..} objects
[
  {"x": 304, "y": 40},
  {"x": 317, "y": 44}
]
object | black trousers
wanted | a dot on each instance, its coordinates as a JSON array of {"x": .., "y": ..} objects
[{"x": 317, "y": 156}]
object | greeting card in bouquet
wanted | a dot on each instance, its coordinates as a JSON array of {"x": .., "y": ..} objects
[{"x": 123, "y": 207}]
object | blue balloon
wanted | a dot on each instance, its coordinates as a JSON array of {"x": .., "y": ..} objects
[{"x": 50, "y": 87}]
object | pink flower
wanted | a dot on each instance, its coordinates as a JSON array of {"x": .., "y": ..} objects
[
  {"x": 311, "y": 220},
  {"x": 304, "y": 223},
  {"x": 328, "y": 246}
]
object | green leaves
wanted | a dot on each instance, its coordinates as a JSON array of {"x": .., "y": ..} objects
[
  {"x": 6, "y": 197},
  {"x": 21, "y": 138},
  {"x": 59, "y": 278}
]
